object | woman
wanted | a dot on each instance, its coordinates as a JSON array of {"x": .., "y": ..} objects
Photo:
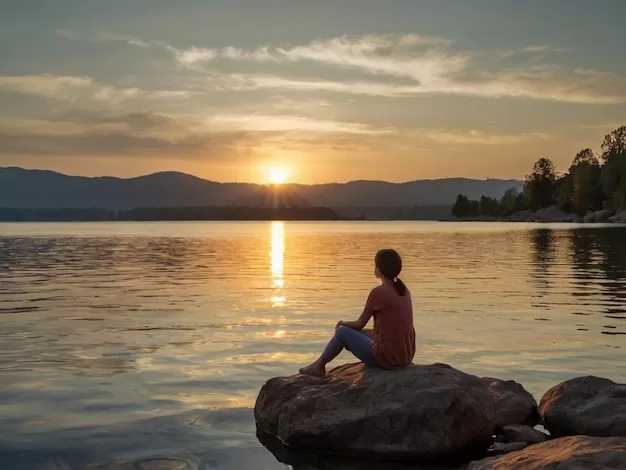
[{"x": 392, "y": 345}]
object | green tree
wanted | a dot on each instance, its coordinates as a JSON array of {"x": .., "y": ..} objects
[
  {"x": 540, "y": 184},
  {"x": 461, "y": 207},
  {"x": 586, "y": 189},
  {"x": 584, "y": 158},
  {"x": 565, "y": 192},
  {"x": 513, "y": 201},
  {"x": 614, "y": 168},
  {"x": 490, "y": 206}
]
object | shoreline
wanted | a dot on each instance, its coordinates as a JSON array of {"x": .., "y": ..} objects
[{"x": 553, "y": 215}]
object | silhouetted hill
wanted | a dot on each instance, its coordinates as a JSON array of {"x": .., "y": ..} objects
[{"x": 20, "y": 188}]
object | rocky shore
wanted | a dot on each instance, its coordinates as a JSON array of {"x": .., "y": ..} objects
[
  {"x": 437, "y": 417},
  {"x": 553, "y": 214}
]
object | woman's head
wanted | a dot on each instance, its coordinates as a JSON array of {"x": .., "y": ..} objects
[{"x": 388, "y": 266}]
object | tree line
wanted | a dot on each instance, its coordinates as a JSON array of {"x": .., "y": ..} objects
[
  {"x": 167, "y": 214},
  {"x": 593, "y": 182}
]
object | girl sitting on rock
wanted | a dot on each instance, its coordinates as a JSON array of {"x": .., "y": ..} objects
[{"x": 392, "y": 345}]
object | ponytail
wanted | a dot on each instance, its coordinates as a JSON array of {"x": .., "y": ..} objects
[{"x": 399, "y": 286}]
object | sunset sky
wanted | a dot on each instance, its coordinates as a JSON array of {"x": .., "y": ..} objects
[{"x": 334, "y": 90}]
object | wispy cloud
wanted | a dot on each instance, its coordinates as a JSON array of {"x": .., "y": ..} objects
[
  {"x": 104, "y": 36},
  {"x": 74, "y": 88},
  {"x": 51, "y": 86},
  {"x": 394, "y": 66},
  {"x": 89, "y": 132},
  {"x": 429, "y": 65},
  {"x": 542, "y": 48},
  {"x": 581, "y": 87},
  {"x": 476, "y": 137},
  {"x": 384, "y": 55},
  {"x": 255, "y": 122}
]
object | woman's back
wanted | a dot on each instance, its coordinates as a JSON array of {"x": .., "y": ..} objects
[{"x": 394, "y": 334}]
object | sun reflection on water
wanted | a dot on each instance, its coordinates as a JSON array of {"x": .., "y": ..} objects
[{"x": 277, "y": 260}]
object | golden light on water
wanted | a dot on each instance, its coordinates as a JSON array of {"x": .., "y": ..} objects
[{"x": 277, "y": 260}]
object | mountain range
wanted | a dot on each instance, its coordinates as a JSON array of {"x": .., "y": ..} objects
[{"x": 27, "y": 189}]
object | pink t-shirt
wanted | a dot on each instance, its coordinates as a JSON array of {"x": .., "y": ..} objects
[{"x": 393, "y": 344}]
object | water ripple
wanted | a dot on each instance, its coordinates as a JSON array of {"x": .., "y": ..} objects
[{"x": 123, "y": 340}]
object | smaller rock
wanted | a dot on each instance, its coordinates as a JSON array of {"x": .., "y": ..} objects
[
  {"x": 522, "y": 216},
  {"x": 567, "y": 453},
  {"x": 619, "y": 218},
  {"x": 522, "y": 433},
  {"x": 597, "y": 216},
  {"x": 513, "y": 403},
  {"x": 603, "y": 215},
  {"x": 591, "y": 406},
  {"x": 501, "y": 448},
  {"x": 554, "y": 214}
]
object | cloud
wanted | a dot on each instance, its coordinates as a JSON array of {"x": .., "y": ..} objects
[
  {"x": 394, "y": 66},
  {"x": 194, "y": 55},
  {"x": 81, "y": 132},
  {"x": 580, "y": 88},
  {"x": 255, "y": 122},
  {"x": 386, "y": 55},
  {"x": 424, "y": 66},
  {"x": 476, "y": 137},
  {"x": 91, "y": 133},
  {"x": 51, "y": 86},
  {"x": 542, "y": 48},
  {"x": 75, "y": 88},
  {"x": 110, "y": 37}
]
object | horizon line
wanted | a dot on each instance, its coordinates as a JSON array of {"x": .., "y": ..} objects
[{"x": 176, "y": 172}]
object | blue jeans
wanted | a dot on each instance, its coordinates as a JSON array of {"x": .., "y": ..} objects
[{"x": 357, "y": 342}]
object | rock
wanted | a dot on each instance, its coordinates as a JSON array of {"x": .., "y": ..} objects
[
  {"x": 501, "y": 448},
  {"x": 589, "y": 218},
  {"x": 567, "y": 453},
  {"x": 299, "y": 459},
  {"x": 522, "y": 433},
  {"x": 619, "y": 218},
  {"x": 423, "y": 412},
  {"x": 603, "y": 215},
  {"x": 522, "y": 216},
  {"x": 554, "y": 214},
  {"x": 590, "y": 406},
  {"x": 597, "y": 217},
  {"x": 513, "y": 404}
]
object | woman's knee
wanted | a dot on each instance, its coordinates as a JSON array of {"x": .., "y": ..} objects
[{"x": 341, "y": 332}]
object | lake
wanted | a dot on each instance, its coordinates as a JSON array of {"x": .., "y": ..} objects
[{"x": 142, "y": 340}]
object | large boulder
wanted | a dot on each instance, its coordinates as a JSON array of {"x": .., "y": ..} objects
[
  {"x": 514, "y": 405},
  {"x": 590, "y": 406},
  {"x": 423, "y": 412},
  {"x": 566, "y": 453}
]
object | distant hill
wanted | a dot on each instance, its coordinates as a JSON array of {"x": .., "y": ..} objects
[{"x": 20, "y": 188}]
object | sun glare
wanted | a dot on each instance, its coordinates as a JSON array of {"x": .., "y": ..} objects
[{"x": 278, "y": 174}]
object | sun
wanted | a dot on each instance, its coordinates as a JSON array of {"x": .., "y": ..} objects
[{"x": 278, "y": 174}]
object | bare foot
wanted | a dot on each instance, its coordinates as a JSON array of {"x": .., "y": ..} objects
[{"x": 314, "y": 369}]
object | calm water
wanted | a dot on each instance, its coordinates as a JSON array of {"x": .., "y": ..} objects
[{"x": 145, "y": 340}]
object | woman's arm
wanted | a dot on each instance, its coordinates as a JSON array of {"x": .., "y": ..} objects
[{"x": 360, "y": 323}]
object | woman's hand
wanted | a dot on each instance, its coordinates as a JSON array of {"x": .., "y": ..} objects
[{"x": 340, "y": 323}]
